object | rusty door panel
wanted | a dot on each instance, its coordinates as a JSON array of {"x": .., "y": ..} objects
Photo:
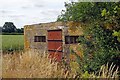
[
  {"x": 56, "y": 35},
  {"x": 55, "y": 44},
  {"x": 52, "y": 45},
  {"x": 58, "y": 46}
]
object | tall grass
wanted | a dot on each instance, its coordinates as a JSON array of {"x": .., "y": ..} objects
[
  {"x": 108, "y": 72},
  {"x": 31, "y": 64},
  {"x": 34, "y": 64}
]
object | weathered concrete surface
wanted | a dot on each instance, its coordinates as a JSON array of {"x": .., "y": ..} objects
[{"x": 68, "y": 28}]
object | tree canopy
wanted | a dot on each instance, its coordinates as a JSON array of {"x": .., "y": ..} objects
[
  {"x": 101, "y": 22},
  {"x": 9, "y": 27}
]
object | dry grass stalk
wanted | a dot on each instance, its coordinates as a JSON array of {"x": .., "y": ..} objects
[
  {"x": 31, "y": 64},
  {"x": 108, "y": 72}
]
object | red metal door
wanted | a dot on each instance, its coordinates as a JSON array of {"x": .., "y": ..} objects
[{"x": 55, "y": 44}]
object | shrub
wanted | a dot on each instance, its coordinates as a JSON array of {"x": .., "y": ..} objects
[{"x": 99, "y": 47}]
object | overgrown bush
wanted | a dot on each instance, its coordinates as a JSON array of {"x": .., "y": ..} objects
[
  {"x": 99, "y": 49},
  {"x": 101, "y": 25}
]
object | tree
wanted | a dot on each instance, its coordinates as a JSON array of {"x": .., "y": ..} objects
[
  {"x": 0, "y": 30},
  {"x": 20, "y": 30},
  {"x": 102, "y": 26},
  {"x": 9, "y": 27}
]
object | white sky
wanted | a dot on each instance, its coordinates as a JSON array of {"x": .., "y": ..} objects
[{"x": 23, "y": 12}]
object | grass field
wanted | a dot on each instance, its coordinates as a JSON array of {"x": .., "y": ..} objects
[{"x": 12, "y": 42}]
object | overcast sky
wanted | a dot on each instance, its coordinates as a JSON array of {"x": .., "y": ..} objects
[{"x": 23, "y": 12}]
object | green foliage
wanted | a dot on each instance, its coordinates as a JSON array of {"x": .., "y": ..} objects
[
  {"x": 20, "y": 30},
  {"x": 101, "y": 41},
  {"x": 106, "y": 71},
  {"x": 85, "y": 11},
  {"x": 77, "y": 12},
  {"x": 74, "y": 67},
  {"x": 86, "y": 75},
  {"x": 117, "y": 34},
  {"x": 103, "y": 12},
  {"x": 99, "y": 50},
  {"x": 9, "y": 27}
]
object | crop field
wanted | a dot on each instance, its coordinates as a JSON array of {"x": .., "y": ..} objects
[{"x": 12, "y": 42}]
